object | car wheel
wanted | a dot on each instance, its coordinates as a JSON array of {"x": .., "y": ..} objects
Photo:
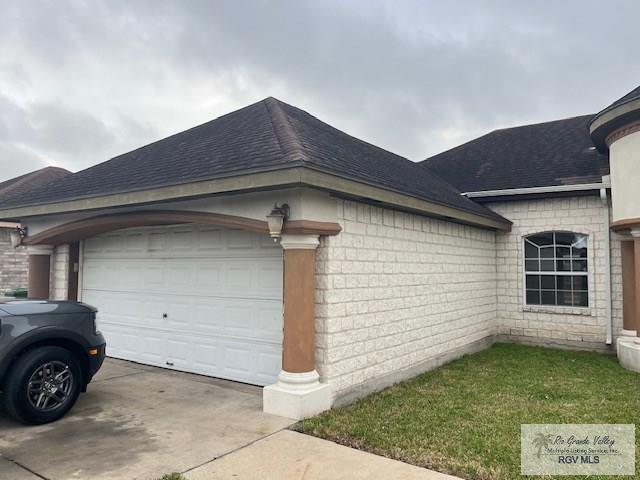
[{"x": 42, "y": 385}]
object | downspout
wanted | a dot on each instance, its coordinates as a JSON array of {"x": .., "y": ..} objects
[{"x": 607, "y": 258}]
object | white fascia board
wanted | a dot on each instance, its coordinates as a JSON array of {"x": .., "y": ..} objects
[{"x": 537, "y": 190}]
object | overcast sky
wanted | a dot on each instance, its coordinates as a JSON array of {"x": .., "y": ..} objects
[{"x": 81, "y": 81}]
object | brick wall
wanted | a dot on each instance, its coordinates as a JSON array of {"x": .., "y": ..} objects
[
  {"x": 575, "y": 327},
  {"x": 13, "y": 264},
  {"x": 399, "y": 293}
]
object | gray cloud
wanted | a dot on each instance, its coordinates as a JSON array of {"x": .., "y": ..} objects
[{"x": 83, "y": 81}]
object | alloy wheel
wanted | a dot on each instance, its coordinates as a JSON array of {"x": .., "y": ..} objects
[{"x": 49, "y": 386}]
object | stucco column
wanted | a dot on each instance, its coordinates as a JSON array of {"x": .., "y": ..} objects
[
  {"x": 298, "y": 353},
  {"x": 629, "y": 347},
  {"x": 628, "y": 288},
  {"x": 298, "y": 393},
  {"x": 39, "y": 270},
  {"x": 636, "y": 250}
]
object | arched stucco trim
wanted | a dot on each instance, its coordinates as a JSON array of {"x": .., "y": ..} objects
[{"x": 89, "y": 227}]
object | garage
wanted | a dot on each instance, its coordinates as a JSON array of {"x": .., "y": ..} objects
[{"x": 195, "y": 298}]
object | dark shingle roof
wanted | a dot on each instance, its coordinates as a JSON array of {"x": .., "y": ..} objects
[
  {"x": 21, "y": 186},
  {"x": 632, "y": 95},
  {"x": 540, "y": 155},
  {"x": 265, "y": 136}
]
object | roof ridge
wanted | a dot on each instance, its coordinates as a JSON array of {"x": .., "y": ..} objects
[
  {"x": 536, "y": 124},
  {"x": 503, "y": 129},
  {"x": 285, "y": 132}
]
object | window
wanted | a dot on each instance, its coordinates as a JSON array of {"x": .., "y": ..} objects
[{"x": 556, "y": 270}]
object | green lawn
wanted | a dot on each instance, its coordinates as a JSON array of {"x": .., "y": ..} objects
[{"x": 464, "y": 418}]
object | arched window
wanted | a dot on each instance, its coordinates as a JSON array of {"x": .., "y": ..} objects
[{"x": 556, "y": 270}]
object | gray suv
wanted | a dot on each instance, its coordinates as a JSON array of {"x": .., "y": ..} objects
[{"x": 49, "y": 352}]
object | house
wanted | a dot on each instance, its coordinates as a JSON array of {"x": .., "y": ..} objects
[
  {"x": 382, "y": 268},
  {"x": 13, "y": 261}
]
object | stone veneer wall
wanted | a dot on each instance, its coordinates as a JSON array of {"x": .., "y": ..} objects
[
  {"x": 398, "y": 294},
  {"x": 556, "y": 326},
  {"x": 13, "y": 264},
  {"x": 59, "y": 279}
]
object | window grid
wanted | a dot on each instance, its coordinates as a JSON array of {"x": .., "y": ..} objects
[{"x": 556, "y": 269}]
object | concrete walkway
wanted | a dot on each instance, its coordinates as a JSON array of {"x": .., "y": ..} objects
[{"x": 289, "y": 455}]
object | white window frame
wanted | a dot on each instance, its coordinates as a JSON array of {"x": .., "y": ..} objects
[{"x": 555, "y": 272}]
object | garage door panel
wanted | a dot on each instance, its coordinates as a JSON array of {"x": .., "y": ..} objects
[
  {"x": 118, "y": 308},
  {"x": 268, "y": 323},
  {"x": 156, "y": 241},
  {"x": 153, "y": 348},
  {"x": 267, "y": 362},
  {"x": 135, "y": 242},
  {"x": 257, "y": 278},
  {"x": 153, "y": 277},
  {"x": 205, "y": 358},
  {"x": 122, "y": 274},
  {"x": 208, "y": 318},
  {"x": 181, "y": 240},
  {"x": 221, "y": 291},
  {"x": 267, "y": 243},
  {"x": 239, "y": 239},
  {"x": 166, "y": 242},
  {"x": 208, "y": 277},
  {"x": 178, "y": 351},
  {"x": 126, "y": 342},
  {"x": 180, "y": 316},
  {"x": 209, "y": 240},
  {"x": 114, "y": 243},
  {"x": 181, "y": 276},
  {"x": 238, "y": 359},
  {"x": 270, "y": 278}
]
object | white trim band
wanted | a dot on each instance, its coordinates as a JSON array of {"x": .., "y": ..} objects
[
  {"x": 534, "y": 190},
  {"x": 299, "y": 242},
  {"x": 39, "y": 250}
]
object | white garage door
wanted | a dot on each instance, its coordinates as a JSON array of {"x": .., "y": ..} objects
[{"x": 199, "y": 299}]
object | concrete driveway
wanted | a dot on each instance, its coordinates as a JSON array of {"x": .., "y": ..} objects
[{"x": 138, "y": 422}]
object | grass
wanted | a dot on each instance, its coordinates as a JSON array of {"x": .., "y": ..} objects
[
  {"x": 464, "y": 418},
  {"x": 173, "y": 476}
]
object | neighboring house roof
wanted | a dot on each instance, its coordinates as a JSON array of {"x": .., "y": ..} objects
[
  {"x": 540, "y": 155},
  {"x": 266, "y": 136},
  {"x": 32, "y": 183}
]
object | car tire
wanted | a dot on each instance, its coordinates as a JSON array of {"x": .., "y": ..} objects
[{"x": 42, "y": 385}]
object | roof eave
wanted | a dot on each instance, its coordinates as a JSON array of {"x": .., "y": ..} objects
[
  {"x": 282, "y": 178},
  {"x": 612, "y": 119},
  {"x": 359, "y": 190}
]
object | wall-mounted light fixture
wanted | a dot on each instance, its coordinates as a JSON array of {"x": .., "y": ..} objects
[
  {"x": 16, "y": 236},
  {"x": 276, "y": 220}
]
